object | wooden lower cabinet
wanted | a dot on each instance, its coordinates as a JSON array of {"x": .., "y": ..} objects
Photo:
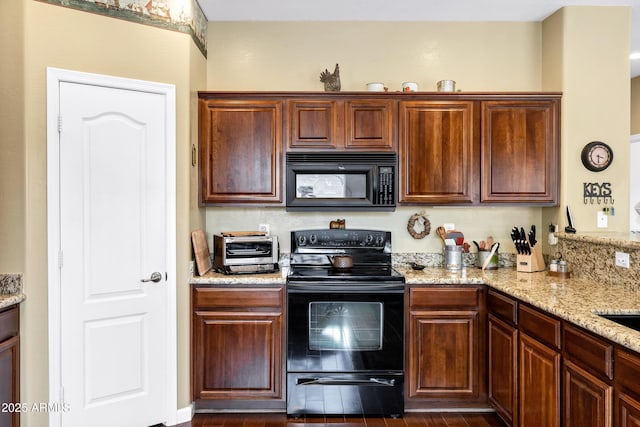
[
  {"x": 627, "y": 389},
  {"x": 587, "y": 398},
  {"x": 9, "y": 366},
  {"x": 539, "y": 390},
  {"x": 503, "y": 369},
  {"x": 446, "y": 351},
  {"x": 237, "y": 348}
]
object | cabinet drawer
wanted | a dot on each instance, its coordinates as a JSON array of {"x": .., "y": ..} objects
[
  {"x": 237, "y": 297},
  {"x": 540, "y": 326},
  {"x": 444, "y": 297},
  {"x": 503, "y": 307},
  {"x": 9, "y": 323},
  {"x": 589, "y": 351},
  {"x": 627, "y": 370}
]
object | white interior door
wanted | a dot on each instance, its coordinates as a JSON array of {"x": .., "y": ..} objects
[{"x": 113, "y": 239}]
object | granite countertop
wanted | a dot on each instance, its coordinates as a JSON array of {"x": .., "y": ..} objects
[
  {"x": 219, "y": 279},
  {"x": 575, "y": 300},
  {"x": 10, "y": 290}
]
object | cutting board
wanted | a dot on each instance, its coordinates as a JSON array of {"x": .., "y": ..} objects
[
  {"x": 201, "y": 250},
  {"x": 243, "y": 233}
]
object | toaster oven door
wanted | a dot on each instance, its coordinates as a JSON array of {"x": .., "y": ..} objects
[{"x": 239, "y": 251}]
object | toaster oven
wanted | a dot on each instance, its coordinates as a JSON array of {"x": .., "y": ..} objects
[{"x": 245, "y": 254}]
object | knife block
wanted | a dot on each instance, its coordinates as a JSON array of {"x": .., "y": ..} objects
[{"x": 531, "y": 263}]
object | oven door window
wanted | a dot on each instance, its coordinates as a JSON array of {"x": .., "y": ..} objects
[{"x": 345, "y": 325}]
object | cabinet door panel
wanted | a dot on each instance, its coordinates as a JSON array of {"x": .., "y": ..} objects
[
  {"x": 443, "y": 354},
  {"x": 314, "y": 124},
  {"x": 10, "y": 380},
  {"x": 369, "y": 124},
  {"x": 587, "y": 399},
  {"x": 539, "y": 391},
  {"x": 503, "y": 369},
  {"x": 237, "y": 355},
  {"x": 627, "y": 411},
  {"x": 437, "y": 152},
  {"x": 240, "y": 151},
  {"x": 520, "y": 149}
]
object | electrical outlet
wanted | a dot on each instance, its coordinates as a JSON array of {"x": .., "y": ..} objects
[
  {"x": 603, "y": 220},
  {"x": 263, "y": 227},
  {"x": 448, "y": 226},
  {"x": 622, "y": 259}
]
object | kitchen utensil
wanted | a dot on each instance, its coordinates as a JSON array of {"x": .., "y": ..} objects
[
  {"x": 441, "y": 232},
  {"x": 341, "y": 261},
  {"x": 466, "y": 247},
  {"x": 569, "y": 228},
  {"x": 201, "y": 251},
  {"x": 450, "y": 242},
  {"x": 494, "y": 249},
  {"x": 457, "y": 236},
  {"x": 489, "y": 241},
  {"x": 483, "y": 245},
  {"x": 477, "y": 245}
]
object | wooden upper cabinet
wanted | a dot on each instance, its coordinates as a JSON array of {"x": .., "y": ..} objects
[
  {"x": 370, "y": 124},
  {"x": 520, "y": 151},
  {"x": 438, "y": 152},
  {"x": 314, "y": 124},
  {"x": 341, "y": 124},
  {"x": 240, "y": 151}
]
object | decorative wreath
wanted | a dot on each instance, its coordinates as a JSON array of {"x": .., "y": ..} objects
[{"x": 423, "y": 222}]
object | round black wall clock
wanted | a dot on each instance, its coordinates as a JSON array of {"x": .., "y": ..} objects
[{"x": 596, "y": 156}]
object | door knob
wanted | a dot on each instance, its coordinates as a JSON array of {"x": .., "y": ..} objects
[{"x": 155, "y": 277}]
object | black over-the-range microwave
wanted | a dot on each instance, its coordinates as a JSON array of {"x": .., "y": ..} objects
[{"x": 341, "y": 181}]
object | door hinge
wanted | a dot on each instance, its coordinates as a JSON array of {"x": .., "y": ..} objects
[
  {"x": 60, "y": 259},
  {"x": 59, "y": 123}
]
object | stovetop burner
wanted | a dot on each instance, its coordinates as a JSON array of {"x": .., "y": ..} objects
[
  {"x": 355, "y": 273},
  {"x": 370, "y": 251}
]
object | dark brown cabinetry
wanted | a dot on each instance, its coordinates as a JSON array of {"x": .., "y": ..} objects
[
  {"x": 446, "y": 347},
  {"x": 10, "y": 366},
  {"x": 240, "y": 151},
  {"x": 438, "y": 152},
  {"x": 539, "y": 369},
  {"x": 503, "y": 356},
  {"x": 453, "y": 148},
  {"x": 237, "y": 348},
  {"x": 520, "y": 151},
  {"x": 341, "y": 123},
  {"x": 627, "y": 389},
  {"x": 587, "y": 369}
]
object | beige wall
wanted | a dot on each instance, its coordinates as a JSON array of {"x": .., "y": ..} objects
[
  {"x": 74, "y": 40},
  {"x": 595, "y": 105},
  {"x": 291, "y": 55},
  {"x": 12, "y": 157},
  {"x": 635, "y": 106}
]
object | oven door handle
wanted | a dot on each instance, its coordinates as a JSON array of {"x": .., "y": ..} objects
[{"x": 346, "y": 381}]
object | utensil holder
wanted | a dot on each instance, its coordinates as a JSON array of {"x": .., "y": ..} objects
[{"x": 531, "y": 263}]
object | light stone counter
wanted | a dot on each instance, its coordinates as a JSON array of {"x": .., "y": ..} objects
[
  {"x": 575, "y": 300},
  {"x": 219, "y": 279},
  {"x": 10, "y": 290}
]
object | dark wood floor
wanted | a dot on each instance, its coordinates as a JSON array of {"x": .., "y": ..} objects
[{"x": 409, "y": 420}]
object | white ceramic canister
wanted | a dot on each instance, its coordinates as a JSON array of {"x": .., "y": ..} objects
[
  {"x": 375, "y": 87},
  {"x": 446, "y": 86},
  {"x": 409, "y": 87}
]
